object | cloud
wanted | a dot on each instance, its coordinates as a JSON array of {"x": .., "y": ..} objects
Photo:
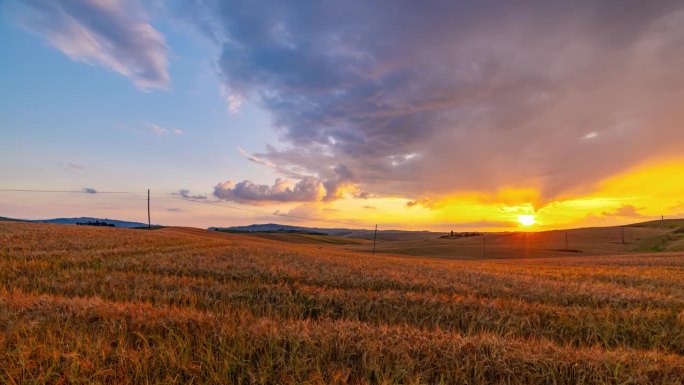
[
  {"x": 370, "y": 207},
  {"x": 425, "y": 100},
  {"x": 427, "y": 203},
  {"x": 173, "y": 209},
  {"x": 341, "y": 177},
  {"x": 624, "y": 211},
  {"x": 363, "y": 195},
  {"x": 678, "y": 206},
  {"x": 159, "y": 130},
  {"x": 185, "y": 193},
  {"x": 255, "y": 159},
  {"x": 306, "y": 190},
  {"x": 483, "y": 224},
  {"x": 113, "y": 34},
  {"x": 422, "y": 202},
  {"x": 233, "y": 101},
  {"x": 89, "y": 190},
  {"x": 70, "y": 166}
]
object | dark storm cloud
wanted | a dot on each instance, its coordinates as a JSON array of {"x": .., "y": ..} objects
[
  {"x": 422, "y": 99},
  {"x": 112, "y": 33}
]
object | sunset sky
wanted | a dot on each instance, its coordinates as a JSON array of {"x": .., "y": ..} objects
[{"x": 439, "y": 115}]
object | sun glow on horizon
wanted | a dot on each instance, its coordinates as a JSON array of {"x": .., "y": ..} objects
[{"x": 527, "y": 220}]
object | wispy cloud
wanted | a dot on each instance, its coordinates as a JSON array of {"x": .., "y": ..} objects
[
  {"x": 255, "y": 159},
  {"x": 233, "y": 101},
  {"x": 159, "y": 130},
  {"x": 624, "y": 211},
  {"x": 70, "y": 166},
  {"x": 482, "y": 224},
  {"x": 89, "y": 190},
  {"x": 114, "y": 34},
  {"x": 185, "y": 193}
]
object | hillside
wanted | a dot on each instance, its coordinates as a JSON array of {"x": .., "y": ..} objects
[
  {"x": 340, "y": 232},
  {"x": 5, "y": 219},
  {"x": 73, "y": 221},
  {"x": 666, "y": 224},
  {"x": 586, "y": 241},
  {"x": 308, "y": 238},
  {"x": 183, "y": 305}
]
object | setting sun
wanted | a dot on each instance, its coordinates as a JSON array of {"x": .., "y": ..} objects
[{"x": 527, "y": 220}]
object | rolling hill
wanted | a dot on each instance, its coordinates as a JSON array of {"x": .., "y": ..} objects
[{"x": 73, "y": 221}]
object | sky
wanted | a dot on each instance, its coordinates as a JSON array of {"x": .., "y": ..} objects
[{"x": 437, "y": 115}]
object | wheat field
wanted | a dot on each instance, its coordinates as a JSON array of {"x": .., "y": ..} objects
[{"x": 81, "y": 305}]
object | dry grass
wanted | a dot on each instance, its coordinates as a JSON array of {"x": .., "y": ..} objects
[
  {"x": 584, "y": 242},
  {"x": 102, "y": 305}
]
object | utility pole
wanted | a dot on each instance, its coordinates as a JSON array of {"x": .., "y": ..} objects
[
  {"x": 622, "y": 234},
  {"x": 375, "y": 236},
  {"x": 149, "y": 222}
]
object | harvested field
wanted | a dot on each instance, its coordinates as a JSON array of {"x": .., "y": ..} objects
[{"x": 176, "y": 305}]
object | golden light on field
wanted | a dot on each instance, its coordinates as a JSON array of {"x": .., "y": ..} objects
[{"x": 527, "y": 220}]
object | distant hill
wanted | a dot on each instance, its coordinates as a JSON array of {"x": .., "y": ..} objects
[
  {"x": 5, "y": 219},
  {"x": 73, "y": 221},
  {"x": 339, "y": 232},
  {"x": 667, "y": 223},
  {"x": 272, "y": 227}
]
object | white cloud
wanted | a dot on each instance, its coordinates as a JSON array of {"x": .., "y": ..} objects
[
  {"x": 233, "y": 100},
  {"x": 159, "y": 130},
  {"x": 114, "y": 34}
]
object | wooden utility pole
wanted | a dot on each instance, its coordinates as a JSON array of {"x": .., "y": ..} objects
[
  {"x": 375, "y": 236},
  {"x": 149, "y": 222}
]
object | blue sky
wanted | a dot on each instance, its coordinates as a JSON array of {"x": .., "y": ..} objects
[
  {"x": 66, "y": 125},
  {"x": 456, "y": 114}
]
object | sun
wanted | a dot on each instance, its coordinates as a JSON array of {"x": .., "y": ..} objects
[{"x": 527, "y": 220}]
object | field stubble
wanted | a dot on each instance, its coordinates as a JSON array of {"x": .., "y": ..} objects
[{"x": 89, "y": 305}]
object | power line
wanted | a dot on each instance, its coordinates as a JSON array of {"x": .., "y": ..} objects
[{"x": 95, "y": 192}]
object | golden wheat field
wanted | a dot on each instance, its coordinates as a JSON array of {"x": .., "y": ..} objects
[{"x": 82, "y": 305}]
